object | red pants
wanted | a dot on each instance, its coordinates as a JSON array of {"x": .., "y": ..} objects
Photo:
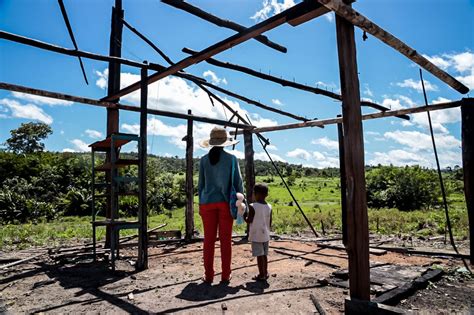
[{"x": 217, "y": 215}]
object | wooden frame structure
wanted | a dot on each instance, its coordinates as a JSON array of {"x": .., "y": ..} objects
[{"x": 349, "y": 124}]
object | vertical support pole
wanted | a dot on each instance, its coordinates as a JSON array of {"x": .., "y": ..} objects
[
  {"x": 115, "y": 49},
  {"x": 249, "y": 165},
  {"x": 357, "y": 218},
  {"x": 467, "y": 135},
  {"x": 143, "y": 213},
  {"x": 342, "y": 174},
  {"x": 189, "y": 181}
]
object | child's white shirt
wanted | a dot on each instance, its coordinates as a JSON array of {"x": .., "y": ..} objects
[{"x": 259, "y": 229}]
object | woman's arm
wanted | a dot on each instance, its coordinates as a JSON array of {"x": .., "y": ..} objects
[{"x": 201, "y": 178}]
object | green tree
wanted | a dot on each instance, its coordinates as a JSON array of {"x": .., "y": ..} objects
[{"x": 27, "y": 138}]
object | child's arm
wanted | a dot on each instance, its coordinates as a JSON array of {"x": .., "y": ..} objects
[{"x": 250, "y": 215}]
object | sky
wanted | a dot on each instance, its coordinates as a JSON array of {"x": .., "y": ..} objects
[{"x": 441, "y": 30}]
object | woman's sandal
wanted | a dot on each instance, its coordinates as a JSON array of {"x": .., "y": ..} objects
[
  {"x": 204, "y": 280},
  {"x": 226, "y": 281}
]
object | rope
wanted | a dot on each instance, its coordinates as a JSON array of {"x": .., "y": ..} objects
[{"x": 441, "y": 182}]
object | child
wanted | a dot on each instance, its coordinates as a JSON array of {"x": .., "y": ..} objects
[{"x": 259, "y": 219}]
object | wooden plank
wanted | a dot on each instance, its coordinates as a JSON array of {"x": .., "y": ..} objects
[
  {"x": 230, "y": 42},
  {"x": 142, "y": 262},
  {"x": 281, "y": 81},
  {"x": 467, "y": 136},
  {"x": 408, "y": 251},
  {"x": 88, "y": 101},
  {"x": 189, "y": 215},
  {"x": 331, "y": 121},
  {"x": 342, "y": 176},
  {"x": 357, "y": 218},
  {"x": 318, "y": 306},
  {"x": 249, "y": 166},
  {"x": 18, "y": 262},
  {"x": 179, "y": 4},
  {"x": 396, "y": 295},
  {"x": 355, "y": 18},
  {"x": 300, "y": 256},
  {"x": 374, "y": 251}
]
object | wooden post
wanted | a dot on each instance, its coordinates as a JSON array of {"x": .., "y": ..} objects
[
  {"x": 357, "y": 221},
  {"x": 142, "y": 213},
  {"x": 115, "y": 49},
  {"x": 467, "y": 135},
  {"x": 342, "y": 175},
  {"x": 249, "y": 165},
  {"x": 189, "y": 181}
]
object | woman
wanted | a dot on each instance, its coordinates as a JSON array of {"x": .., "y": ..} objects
[{"x": 215, "y": 183}]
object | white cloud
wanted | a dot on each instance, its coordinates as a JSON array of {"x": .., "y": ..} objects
[
  {"x": 416, "y": 85},
  {"x": 262, "y": 156},
  {"x": 214, "y": 78},
  {"x": 300, "y": 154},
  {"x": 272, "y": 147},
  {"x": 27, "y": 111},
  {"x": 69, "y": 150},
  {"x": 462, "y": 63},
  {"x": 237, "y": 153},
  {"x": 277, "y": 102},
  {"x": 368, "y": 91},
  {"x": 79, "y": 146},
  {"x": 94, "y": 134},
  {"x": 329, "y": 16},
  {"x": 330, "y": 86},
  {"x": 372, "y": 133},
  {"x": 270, "y": 8},
  {"x": 393, "y": 104},
  {"x": 327, "y": 143},
  {"x": 398, "y": 158},
  {"x": 418, "y": 141},
  {"x": 40, "y": 100},
  {"x": 103, "y": 78}
]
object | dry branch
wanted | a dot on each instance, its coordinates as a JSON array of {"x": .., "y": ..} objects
[{"x": 179, "y": 4}]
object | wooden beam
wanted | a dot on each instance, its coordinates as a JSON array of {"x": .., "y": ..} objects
[
  {"x": 142, "y": 262},
  {"x": 225, "y": 44},
  {"x": 88, "y": 101},
  {"x": 249, "y": 165},
  {"x": 179, "y": 4},
  {"x": 113, "y": 85},
  {"x": 342, "y": 176},
  {"x": 467, "y": 136},
  {"x": 189, "y": 214},
  {"x": 281, "y": 81},
  {"x": 357, "y": 217},
  {"x": 352, "y": 16},
  {"x": 392, "y": 113}
]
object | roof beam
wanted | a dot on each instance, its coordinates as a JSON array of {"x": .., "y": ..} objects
[
  {"x": 225, "y": 44},
  {"x": 179, "y": 4},
  {"x": 354, "y": 17},
  {"x": 331, "y": 121},
  {"x": 283, "y": 82},
  {"x": 89, "y": 101}
]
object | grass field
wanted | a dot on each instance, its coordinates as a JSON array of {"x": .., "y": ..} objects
[{"x": 319, "y": 198}]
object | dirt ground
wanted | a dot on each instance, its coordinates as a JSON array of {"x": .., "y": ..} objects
[{"x": 172, "y": 284}]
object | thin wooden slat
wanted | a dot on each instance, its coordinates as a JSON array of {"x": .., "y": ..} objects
[
  {"x": 249, "y": 166},
  {"x": 330, "y": 121},
  {"x": 348, "y": 13},
  {"x": 179, "y": 4},
  {"x": 88, "y": 101},
  {"x": 223, "y": 45},
  {"x": 356, "y": 207}
]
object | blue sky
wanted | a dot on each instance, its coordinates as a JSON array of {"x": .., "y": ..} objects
[{"x": 441, "y": 30}]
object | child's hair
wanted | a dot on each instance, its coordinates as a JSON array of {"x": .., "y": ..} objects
[{"x": 260, "y": 188}]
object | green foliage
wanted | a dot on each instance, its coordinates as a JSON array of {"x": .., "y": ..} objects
[
  {"x": 27, "y": 138},
  {"x": 406, "y": 189}
]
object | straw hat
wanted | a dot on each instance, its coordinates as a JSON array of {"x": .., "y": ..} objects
[{"x": 219, "y": 138}]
